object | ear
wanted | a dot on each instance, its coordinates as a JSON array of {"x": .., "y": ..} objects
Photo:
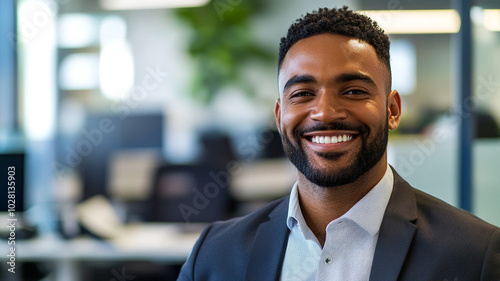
[
  {"x": 277, "y": 114},
  {"x": 393, "y": 109}
]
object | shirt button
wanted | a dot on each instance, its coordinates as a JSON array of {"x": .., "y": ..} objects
[{"x": 328, "y": 260}]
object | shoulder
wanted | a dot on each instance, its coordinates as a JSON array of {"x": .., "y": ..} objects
[
  {"x": 459, "y": 243},
  {"x": 224, "y": 247},
  {"x": 443, "y": 228},
  {"x": 443, "y": 216},
  {"x": 433, "y": 212},
  {"x": 249, "y": 223},
  {"x": 456, "y": 235}
]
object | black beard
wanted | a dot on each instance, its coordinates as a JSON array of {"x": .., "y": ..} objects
[{"x": 370, "y": 154}]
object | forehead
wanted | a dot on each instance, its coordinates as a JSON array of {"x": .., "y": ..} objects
[{"x": 329, "y": 55}]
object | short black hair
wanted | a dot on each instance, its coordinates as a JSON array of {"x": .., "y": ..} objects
[{"x": 337, "y": 21}]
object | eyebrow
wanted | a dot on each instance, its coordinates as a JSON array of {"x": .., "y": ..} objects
[
  {"x": 297, "y": 79},
  {"x": 347, "y": 77},
  {"x": 342, "y": 78}
]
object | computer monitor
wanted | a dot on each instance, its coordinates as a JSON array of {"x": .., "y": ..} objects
[{"x": 135, "y": 131}]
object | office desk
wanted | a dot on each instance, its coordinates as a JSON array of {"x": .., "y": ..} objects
[{"x": 153, "y": 243}]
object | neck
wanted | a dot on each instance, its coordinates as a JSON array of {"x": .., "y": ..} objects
[{"x": 321, "y": 205}]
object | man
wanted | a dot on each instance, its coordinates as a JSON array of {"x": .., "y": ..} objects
[{"x": 350, "y": 216}]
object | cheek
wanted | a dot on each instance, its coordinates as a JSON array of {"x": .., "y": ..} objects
[
  {"x": 372, "y": 113},
  {"x": 291, "y": 118}
]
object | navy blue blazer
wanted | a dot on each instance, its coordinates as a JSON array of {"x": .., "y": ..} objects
[{"x": 421, "y": 238}]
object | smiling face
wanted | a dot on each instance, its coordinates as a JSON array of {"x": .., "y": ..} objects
[{"x": 335, "y": 109}]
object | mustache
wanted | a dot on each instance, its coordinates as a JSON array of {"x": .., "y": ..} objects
[{"x": 334, "y": 126}]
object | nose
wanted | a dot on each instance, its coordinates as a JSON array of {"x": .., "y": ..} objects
[{"x": 328, "y": 108}]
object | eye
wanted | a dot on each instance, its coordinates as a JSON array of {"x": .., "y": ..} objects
[
  {"x": 356, "y": 94},
  {"x": 301, "y": 94}
]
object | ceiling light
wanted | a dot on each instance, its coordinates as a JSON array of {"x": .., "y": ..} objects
[
  {"x": 491, "y": 19},
  {"x": 150, "y": 4},
  {"x": 416, "y": 21}
]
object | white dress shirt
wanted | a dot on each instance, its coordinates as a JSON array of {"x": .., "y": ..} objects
[{"x": 350, "y": 241}]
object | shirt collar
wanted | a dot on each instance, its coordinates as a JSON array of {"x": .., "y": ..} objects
[
  {"x": 367, "y": 212},
  {"x": 294, "y": 212}
]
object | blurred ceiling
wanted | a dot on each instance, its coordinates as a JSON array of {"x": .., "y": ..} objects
[
  {"x": 93, "y": 6},
  {"x": 422, "y": 4}
]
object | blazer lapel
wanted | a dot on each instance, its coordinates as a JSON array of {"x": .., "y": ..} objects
[
  {"x": 396, "y": 232},
  {"x": 269, "y": 246}
]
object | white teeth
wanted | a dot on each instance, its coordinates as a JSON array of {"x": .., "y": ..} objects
[{"x": 331, "y": 139}]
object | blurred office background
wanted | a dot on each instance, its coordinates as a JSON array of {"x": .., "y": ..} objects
[{"x": 139, "y": 121}]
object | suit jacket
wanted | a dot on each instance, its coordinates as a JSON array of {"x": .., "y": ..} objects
[{"x": 421, "y": 238}]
